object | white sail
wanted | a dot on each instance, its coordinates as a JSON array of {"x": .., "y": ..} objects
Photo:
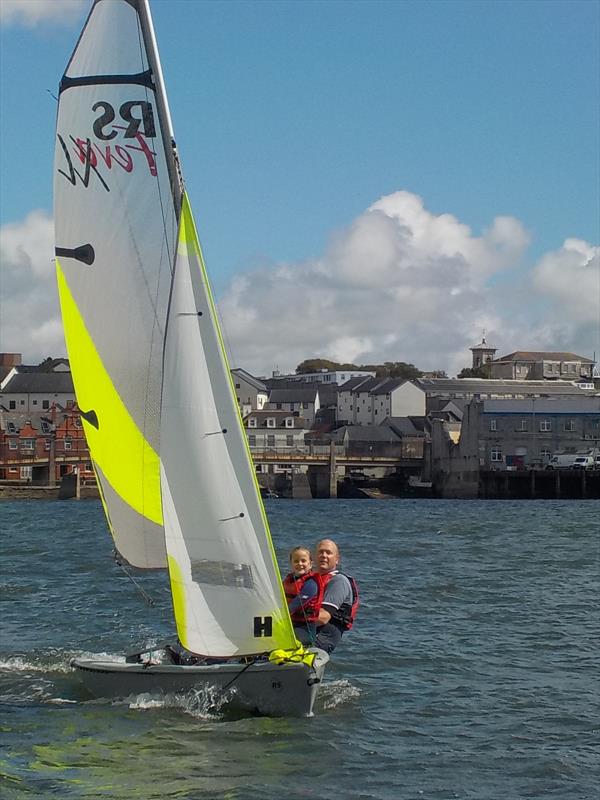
[
  {"x": 116, "y": 220},
  {"x": 225, "y": 583},
  {"x": 175, "y": 474}
]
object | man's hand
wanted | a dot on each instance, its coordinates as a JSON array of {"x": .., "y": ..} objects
[{"x": 324, "y": 617}]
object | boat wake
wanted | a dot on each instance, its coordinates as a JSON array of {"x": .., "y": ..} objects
[
  {"x": 337, "y": 693},
  {"x": 42, "y": 678},
  {"x": 207, "y": 703}
]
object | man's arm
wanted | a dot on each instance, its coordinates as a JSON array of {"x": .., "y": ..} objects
[{"x": 335, "y": 594}]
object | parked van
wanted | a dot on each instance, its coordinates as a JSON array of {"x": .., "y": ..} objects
[
  {"x": 562, "y": 461},
  {"x": 584, "y": 462}
]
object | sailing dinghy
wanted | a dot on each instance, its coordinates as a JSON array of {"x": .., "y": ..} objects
[{"x": 154, "y": 388}]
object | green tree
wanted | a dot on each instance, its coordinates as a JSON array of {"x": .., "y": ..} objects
[{"x": 475, "y": 372}]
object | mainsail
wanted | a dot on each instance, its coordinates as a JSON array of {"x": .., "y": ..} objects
[
  {"x": 169, "y": 449},
  {"x": 116, "y": 221}
]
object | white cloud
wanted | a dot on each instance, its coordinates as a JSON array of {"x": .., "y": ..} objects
[
  {"x": 29, "y": 317},
  {"x": 33, "y": 12},
  {"x": 569, "y": 279},
  {"x": 398, "y": 284}
]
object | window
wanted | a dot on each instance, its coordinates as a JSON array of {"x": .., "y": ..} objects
[
  {"x": 252, "y": 440},
  {"x": 34, "y": 402},
  {"x": 545, "y": 425},
  {"x": 27, "y": 444},
  {"x": 22, "y": 402},
  {"x": 270, "y": 422},
  {"x": 278, "y": 406},
  {"x": 46, "y": 404},
  {"x": 10, "y": 427},
  {"x": 289, "y": 422},
  {"x": 77, "y": 422},
  {"x": 289, "y": 440},
  {"x": 26, "y": 473},
  {"x": 521, "y": 425},
  {"x": 545, "y": 454},
  {"x": 304, "y": 405},
  {"x": 13, "y": 444},
  {"x": 270, "y": 440},
  {"x": 569, "y": 425},
  {"x": 12, "y": 405},
  {"x": 252, "y": 422},
  {"x": 237, "y": 386},
  {"x": 47, "y": 443},
  {"x": 67, "y": 444},
  {"x": 45, "y": 426},
  {"x": 496, "y": 454},
  {"x": 493, "y": 425}
]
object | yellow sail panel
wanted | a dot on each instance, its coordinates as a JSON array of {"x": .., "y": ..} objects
[
  {"x": 178, "y": 597},
  {"x": 117, "y": 445}
]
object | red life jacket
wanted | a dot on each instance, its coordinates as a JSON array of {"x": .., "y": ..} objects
[
  {"x": 292, "y": 587},
  {"x": 345, "y": 615}
]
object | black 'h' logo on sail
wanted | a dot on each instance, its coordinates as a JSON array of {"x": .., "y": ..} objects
[{"x": 263, "y": 626}]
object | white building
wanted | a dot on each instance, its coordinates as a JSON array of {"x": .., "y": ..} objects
[{"x": 369, "y": 401}]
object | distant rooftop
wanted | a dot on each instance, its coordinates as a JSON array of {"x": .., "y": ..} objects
[{"x": 535, "y": 356}]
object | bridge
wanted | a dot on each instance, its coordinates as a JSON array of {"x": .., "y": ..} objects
[{"x": 342, "y": 459}]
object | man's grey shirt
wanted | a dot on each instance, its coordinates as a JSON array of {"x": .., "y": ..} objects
[{"x": 338, "y": 591}]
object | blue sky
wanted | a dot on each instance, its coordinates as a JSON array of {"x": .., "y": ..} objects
[{"x": 294, "y": 118}]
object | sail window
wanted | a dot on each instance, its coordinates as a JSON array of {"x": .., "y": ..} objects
[{"x": 222, "y": 573}]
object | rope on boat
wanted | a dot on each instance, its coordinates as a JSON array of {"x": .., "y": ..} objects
[
  {"x": 234, "y": 679},
  {"x": 144, "y": 594}
]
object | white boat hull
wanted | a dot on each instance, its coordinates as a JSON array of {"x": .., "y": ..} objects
[{"x": 286, "y": 689}]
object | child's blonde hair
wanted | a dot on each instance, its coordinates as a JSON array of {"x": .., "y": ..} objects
[{"x": 300, "y": 548}]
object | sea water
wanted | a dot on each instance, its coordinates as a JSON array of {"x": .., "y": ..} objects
[{"x": 472, "y": 671}]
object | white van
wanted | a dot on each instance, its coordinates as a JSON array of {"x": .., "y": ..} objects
[
  {"x": 583, "y": 462},
  {"x": 562, "y": 461}
]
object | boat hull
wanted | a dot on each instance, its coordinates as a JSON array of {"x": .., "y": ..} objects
[{"x": 272, "y": 689}]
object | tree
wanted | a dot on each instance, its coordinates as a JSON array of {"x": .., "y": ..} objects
[
  {"x": 475, "y": 372},
  {"x": 317, "y": 365}
]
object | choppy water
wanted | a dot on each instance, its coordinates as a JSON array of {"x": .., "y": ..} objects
[{"x": 472, "y": 672}]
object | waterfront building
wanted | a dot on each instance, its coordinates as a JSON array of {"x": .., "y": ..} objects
[
  {"x": 368, "y": 401},
  {"x": 251, "y": 393},
  {"x": 525, "y": 365},
  {"x": 323, "y": 376}
]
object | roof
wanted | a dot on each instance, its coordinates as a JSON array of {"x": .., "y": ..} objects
[
  {"x": 555, "y": 405},
  {"x": 296, "y": 394},
  {"x": 245, "y": 376},
  {"x": 365, "y": 433},
  {"x": 402, "y": 426},
  {"x": 526, "y": 355},
  {"x": 34, "y": 419},
  {"x": 279, "y": 417},
  {"x": 372, "y": 385},
  {"x": 328, "y": 394},
  {"x": 40, "y": 383},
  {"x": 483, "y": 345},
  {"x": 499, "y": 386}
]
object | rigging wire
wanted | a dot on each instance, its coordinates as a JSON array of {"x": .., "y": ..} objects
[{"x": 145, "y": 595}]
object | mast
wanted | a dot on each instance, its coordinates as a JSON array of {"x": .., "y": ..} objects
[{"x": 162, "y": 104}]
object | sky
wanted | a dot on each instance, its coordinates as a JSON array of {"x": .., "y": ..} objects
[{"x": 372, "y": 181}]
